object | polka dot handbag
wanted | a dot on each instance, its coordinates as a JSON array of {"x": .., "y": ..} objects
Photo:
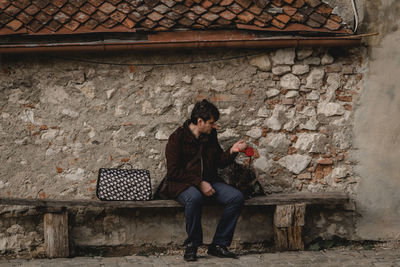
[{"x": 123, "y": 184}]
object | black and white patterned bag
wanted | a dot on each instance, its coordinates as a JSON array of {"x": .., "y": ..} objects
[{"x": 123, "y": 184}]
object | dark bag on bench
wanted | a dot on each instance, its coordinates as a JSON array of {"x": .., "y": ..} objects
[{"x": 123, "y": 184}]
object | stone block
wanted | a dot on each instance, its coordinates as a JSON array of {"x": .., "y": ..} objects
[
  {"x": 315, "y": 79},
  {"x": 284, "y": 56},
  {"x": 295, "y": 163},
  {"x": 290, "y": 81},
  {"x": 261, "y": 62}
]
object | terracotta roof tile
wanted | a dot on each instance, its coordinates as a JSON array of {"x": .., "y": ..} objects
[
  {"x": 244, "y": 3},
  {"x": 259, "y": 23},
  {"x": 313, "y": 3},
  {"x": 262, "y": 3},
  {"x": 14, "y": 25},
  {"x": 34, "y": 25},
  {"x": 336, "y": 18},
  {"x": 20, "y": 3},
  {"x": 264, "y": 17},
  {"x": 110, "y": 23},
  {"x": 225, "y": 2},
  {"x": 32, "y": 10},
  {"x": 324, "y": 9},
  {"x": 91, "y": 24},
  {"x": 180, "y": 9},
  {"x": 186, "y": 22},
  {"x": 150, "y": 3},
  {"x": 135, "y": 16},
  {"x": 283, "y": 18},
  {"x": 278, "y": 24},
  {"x": 59, "y": 3},
  {"x": 77, "y": 3},
  {"x": 168, "y": 3},
  {"x": 100, "y": 16},
  {"x": 69, "y": 9},
  {"x": 69, "y": 16},
  {"x": 206, "y": 4},
  {"x": 41, "y": 3},
  {"x": 88, "y": 9},
  {"x": 191, "y": 15},
  {"x": 210, "y": 16},
  {"x": 54, "y": 25},
  {"x": 148, "y": 24},
  {"x": 114, "y": 2},
  {"x": 168, "y": 23},
  {"x": 94, "y": 2},
  {"x": 198, "y": 26},
  {"x": 217, "y": 9},
  {"x": 198, "y": 9},
  {"x": 298, "y": 3},
  {"x": 129, "y": 23},
  {"x": 290, "y": 11},
  {"x": 62, "y": 17},
  {"x": 118, "y": 16},
  {"x": 189, "y": 3},
  {"x": 143, "y": 10},
  {"x": 72, "y": 25},
  {"x": 299, "y": 17},
  {"x": 203, "y": 21},
  {"x": 107, "y": 8},
  {"x": 161, "y": 8},
  {"x": 313, "y": 23},
  {"x": 227, "y": 15},
  {"x": 12, "y": 10},
  {"x": 222, "y": 21},
  {"x": 255, "y": 10},
  {"x": 245, "y": 17},
  {"x": 25, "y": 18},
  {"x": 43, "y": 17},
  {"x": 277, "y": 2},
  {"x": 4, "y": 4},
  {"x": 235, "y": 8},
  {"x": 332, "y": 25},
  {"x": 318, "y": 18},
  {"x": 51, "y": 9},
  {"x": 173, "y": 15},
  {"x": 81, "y": 17}
]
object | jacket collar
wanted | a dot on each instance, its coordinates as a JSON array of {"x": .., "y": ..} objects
[{"x": 188, "y": 135}]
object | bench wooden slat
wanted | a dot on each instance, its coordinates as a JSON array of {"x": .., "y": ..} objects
[{"x": 269, "y": 200}]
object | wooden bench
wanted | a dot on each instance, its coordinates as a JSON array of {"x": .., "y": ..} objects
[{"x": 288, "y": 218}]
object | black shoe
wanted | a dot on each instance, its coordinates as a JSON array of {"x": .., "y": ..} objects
[
  {"x": 221, "y": 251},
  {"x": 190, "y": 252}
]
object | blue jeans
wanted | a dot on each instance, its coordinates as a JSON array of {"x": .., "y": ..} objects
[{"x": 192, "y": 199}]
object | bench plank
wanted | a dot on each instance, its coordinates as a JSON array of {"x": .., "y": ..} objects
[{"x": 269, "y": 200}]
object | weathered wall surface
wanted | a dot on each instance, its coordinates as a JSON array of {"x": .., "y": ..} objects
[
  {"x": 377, "y": 127},
  {"x": 61, "y": 120}
]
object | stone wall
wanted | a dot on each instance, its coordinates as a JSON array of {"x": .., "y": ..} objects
[{"x": 62, "y": 119}]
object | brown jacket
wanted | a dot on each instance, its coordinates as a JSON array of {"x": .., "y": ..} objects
[{"x": 189, "y": 161}]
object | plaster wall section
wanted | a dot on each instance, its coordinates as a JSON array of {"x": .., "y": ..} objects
[{"x": 377, "y": 127}]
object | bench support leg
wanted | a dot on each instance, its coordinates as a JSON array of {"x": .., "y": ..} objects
[
  {"x": 288, "y": 227},
  {"x": 56, "y": 234}
]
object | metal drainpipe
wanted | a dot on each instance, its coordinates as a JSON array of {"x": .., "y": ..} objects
[{"x": 254, "y": 43}]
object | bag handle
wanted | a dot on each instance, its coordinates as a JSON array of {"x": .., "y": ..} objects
[{"x": 123, "y": 164}]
